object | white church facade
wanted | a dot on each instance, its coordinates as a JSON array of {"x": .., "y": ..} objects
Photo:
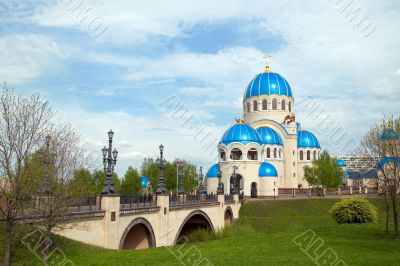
[{"x": 266, "y": 149}]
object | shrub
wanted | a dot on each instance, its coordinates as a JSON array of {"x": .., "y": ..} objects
[
  {"x": 201, "y": 234},
  {"x": 353, "y": 210}
]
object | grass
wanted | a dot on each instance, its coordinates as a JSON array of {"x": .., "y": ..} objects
[{"x": 263, "y": 235}]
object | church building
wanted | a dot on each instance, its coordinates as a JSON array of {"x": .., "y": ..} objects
[{"x": 266, "y": 149}]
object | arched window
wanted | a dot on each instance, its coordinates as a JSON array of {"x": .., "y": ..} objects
[
  {"x": 283, "y": 105},
  {"x": 314, "y": 155},
  {"x": 248, "y": 107},
  {"x": 290, "y": 106},
  {"x": 268, "y": 153},
  {"x": 274, "y": 104},
  {"x": 264, "y": 104},
  {"x": 301, "y": 156},
  {"x": 308, "y": 155},
  {"x": 252, "y": 154},
  {"x": 222, "y": 155},
  {"x": 280, "y": 155},
  {"x": 254, "y": 105},
  {"x": 275, "y": 152},
  {"x": 236, "y": 154}
]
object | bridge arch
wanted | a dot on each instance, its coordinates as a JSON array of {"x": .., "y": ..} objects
[
  {"x": 228, "y": 216},
  {"x": 138, "y": 235},
  {"x": 196, "y": 219}
]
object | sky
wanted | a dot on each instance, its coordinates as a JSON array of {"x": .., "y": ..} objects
[{"x": 129, "y": 65}]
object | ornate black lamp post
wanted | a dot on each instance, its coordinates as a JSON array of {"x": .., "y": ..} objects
[
  {"x": 201, "y": 177},
  {"x": 161, "y": 162},
  {"x": 181, "y": 176},
  {"x": 44, "y": 187},
  {"x": 109, "y": 161},
  {"x": 234, "y": 188},
  {"x": 220, "y": 188}
]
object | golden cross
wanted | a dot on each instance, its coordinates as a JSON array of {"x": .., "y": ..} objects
[{"x": 267, "y": 57}]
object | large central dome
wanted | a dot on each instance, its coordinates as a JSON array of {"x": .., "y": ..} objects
[{"x": 268, "y": 83}]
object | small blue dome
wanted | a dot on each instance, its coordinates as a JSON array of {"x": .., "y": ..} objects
[
  {"x": 144, "y": 181},
  {"x": 269, "y": 136},
  {"x": 212, "y": 171},
  {"x": 389, "y": 134},
  {"x": 267, "y": 169},
  {"x": 340, "y": 163},
  {"x": 386, "y": 160},
  {"x": 268, "y": 83},
  {"x": 306, "y": 139},
  {"x": 242, "y": 133}
]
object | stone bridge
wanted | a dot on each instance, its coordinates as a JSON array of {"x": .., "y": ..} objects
[{"x": 129, "y": 223}]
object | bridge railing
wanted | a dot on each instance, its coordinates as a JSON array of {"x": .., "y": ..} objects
[
  {"x": 189, "y": 199},
  {"x": 136, "y": 202},
  {"x": 228, "y": 198}
]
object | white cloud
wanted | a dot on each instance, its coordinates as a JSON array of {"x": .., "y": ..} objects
[{"x": 25, "y": 57}]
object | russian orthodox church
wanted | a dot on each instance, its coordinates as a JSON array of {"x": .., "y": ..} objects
[{"x": 266, "y": 149}]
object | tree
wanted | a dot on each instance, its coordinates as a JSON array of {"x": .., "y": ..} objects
[
  {"x": 131, "y": 182},
  {"x": 324, "y": 172},
  {"x": 24, "y": 121},
  {"x": 82, "y": 184},
  {"x": 381, "y": 144}
]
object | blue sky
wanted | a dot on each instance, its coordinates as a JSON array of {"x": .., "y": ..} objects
[{"x": 204, "y": 53}]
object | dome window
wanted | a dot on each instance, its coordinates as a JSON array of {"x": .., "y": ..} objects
[
  {"x": 222, "y": 155},
  {"x": 236, "y": 154},
  {"x": 290, "y": 106},
  {"x": 268, "y": 153},
  {"x": 254, "y": 106},
  {"x": 308, "y": 155},
  {"x": 301, "y": 156},
  {"x": 283, "y": 105},
  {"x": 275, "y": 152},
  {"x": 314, "y": 155},
  {"x": 252, "y": 154},
  {"x": 265, "y": 105},
  {"x": 274, "y": 104}
]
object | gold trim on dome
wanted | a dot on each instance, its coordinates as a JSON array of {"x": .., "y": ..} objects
[{"x": 239, "y": 121}]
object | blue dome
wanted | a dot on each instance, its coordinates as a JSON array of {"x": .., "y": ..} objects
[
  {"x": 268, "y": 83},
  {"x": 306, "y": 139},
  {"x": 389, "y": 134},
  {"x": 340, "y": 163},
  {"x": 212, "y": 171},
  {"x": 242, "y": 133},
  {"x": 267, "y": 169},
  {"x": 144, "y": 181},
  {"x": 269, "y": 136}
]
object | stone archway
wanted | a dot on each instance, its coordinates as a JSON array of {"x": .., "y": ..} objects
[
  {"x": 228, "y": 216},
  {"x": 138, "y": 235},
  {"x": 195, "y": 220}
]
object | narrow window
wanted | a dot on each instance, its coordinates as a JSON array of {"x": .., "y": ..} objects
[
  {"x": 301, "y": 156},
  {"x": 308, "y": 155},
  {"x": 283, "y": 105},
  {"x": 314, "y": 155},
  {"x": 274, "y": 152},
  {"x": 290, "y": 106},
  {"x": 248, "y": 107},
  {"x": 268, "y": 153},
  {"x": 274, "y": 104},
  {"x": 264, "y": 104},
  {"x": 254, "y": 105}
]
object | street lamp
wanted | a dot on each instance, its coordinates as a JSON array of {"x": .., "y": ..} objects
[
  {"x": 161, "y": 161},
  {"x": 44, "y": 187},
  {"x": 181, "y": 176},
  {"x": 234, "y": 189},
  {"x": 220, "y": 188},
  {"x": 201, "y": 176},
  {"x": 109, "y": 161}
]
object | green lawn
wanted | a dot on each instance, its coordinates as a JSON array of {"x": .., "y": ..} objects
[{"x": 262, "y": 236}]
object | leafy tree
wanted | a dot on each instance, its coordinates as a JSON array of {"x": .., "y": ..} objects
[
  {"x": 82, "y": 184},
  {"x": 324, "y": 172},
  {"x": 131, "y": 182}
]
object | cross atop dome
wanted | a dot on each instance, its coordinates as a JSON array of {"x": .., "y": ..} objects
[{"x": 267, "y": 57}]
